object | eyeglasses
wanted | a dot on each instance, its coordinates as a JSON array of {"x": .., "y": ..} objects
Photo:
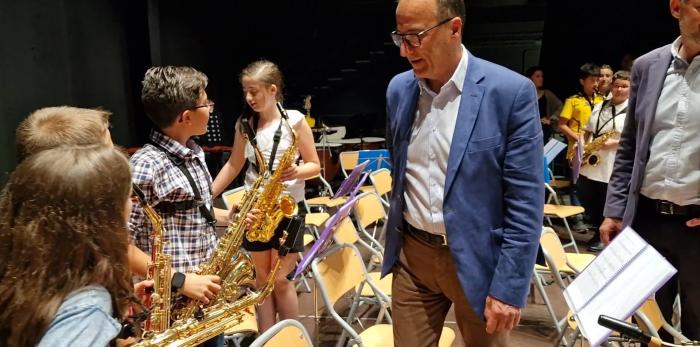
[
  {"x": 413, "y": 40},
  {"x": 209, "y": 104}
]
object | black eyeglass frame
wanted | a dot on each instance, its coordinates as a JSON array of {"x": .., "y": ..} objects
[
  {"x": 210, "y": 104},
  {"x": 399, "y": 38}
]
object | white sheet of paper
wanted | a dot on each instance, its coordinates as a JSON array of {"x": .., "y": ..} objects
[{"x": 616, "y": 283}]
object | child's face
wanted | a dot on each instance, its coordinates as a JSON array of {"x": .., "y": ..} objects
[
  {"x": 259, "y": 96},
  {"x": 589, "y": 84},
  {"x": 200, "y": 115}
]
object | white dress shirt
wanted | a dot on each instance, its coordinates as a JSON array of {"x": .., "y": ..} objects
[
  {"x": 429, "y": 149},
  {"x": 673, "y": 169}
]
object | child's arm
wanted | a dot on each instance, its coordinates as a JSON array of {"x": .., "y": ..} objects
[{"x": 233, "y": 166}]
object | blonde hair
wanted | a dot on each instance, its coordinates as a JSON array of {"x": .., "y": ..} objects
[
  {"x": 62, "y": 227},
  {"x": 51, "y": 127},
  {"x": 266, "y": 72}
]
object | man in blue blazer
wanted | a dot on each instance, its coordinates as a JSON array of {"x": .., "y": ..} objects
[
  {"x": 467, "y": 200},
  {"x": 655, "y": 184}
]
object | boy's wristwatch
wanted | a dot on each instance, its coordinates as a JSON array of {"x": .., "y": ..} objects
[{"x": 177, "y": 282}]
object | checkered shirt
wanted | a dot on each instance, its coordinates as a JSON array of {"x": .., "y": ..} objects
[{"x": 188, "y": 238}]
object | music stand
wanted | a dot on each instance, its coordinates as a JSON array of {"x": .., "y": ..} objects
[
  {"x": 378, "y": 158},
  {"x": 350, "y": 181}
]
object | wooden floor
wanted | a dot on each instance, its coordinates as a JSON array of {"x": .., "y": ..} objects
[{"x": 535, "y": 328}]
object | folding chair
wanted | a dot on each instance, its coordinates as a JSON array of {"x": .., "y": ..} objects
[
  {"x": 562, "y": 266},
  {"x": 369, "y": 212},
  {"x": 246, "y": 328},
  {"x": 381, "y": 181},
  {"x": 233, "y": 196},
  {"x": 651, "y": 321},
  {"x": 338, "y": 271},
  {"x": 561, "y": 211},
  {"x": 286, "y": 333},
  {"x": 346, "y": 233}
]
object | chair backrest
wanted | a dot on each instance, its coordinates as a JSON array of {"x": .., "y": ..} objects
[
  {"x": 381, "y": 180},
  {"x": 368, "y": 209},
  {"x": 551, "y": 245},
  {"x": 233, "y": 196},
  {"x": 348, "y": 161},
  {"x": 286, "y": 333},
  {"x": 337, "y": 271},
  {"x": 345, "y": 232},
  {"x": 652, "y": 313}
]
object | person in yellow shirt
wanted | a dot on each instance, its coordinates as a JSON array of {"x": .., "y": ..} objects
[
  {"x": 573, "y": 119},
  {"x": 577, "y": 108}
]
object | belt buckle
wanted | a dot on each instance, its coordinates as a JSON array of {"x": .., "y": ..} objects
[
  {"x": 664, "y": 207},
  {"x": 444, "y": 239}
]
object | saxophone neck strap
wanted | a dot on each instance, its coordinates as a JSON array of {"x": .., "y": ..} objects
[
  {"x": 170, "y": 207},
  {"x": 250, "y": 135}
]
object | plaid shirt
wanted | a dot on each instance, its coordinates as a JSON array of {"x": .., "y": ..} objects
[{"x": 188, "y": 238}]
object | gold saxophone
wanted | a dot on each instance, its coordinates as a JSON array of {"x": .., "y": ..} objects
[
  {"x": 195, "y": 323},
  {"x": 159, "y": 270},
  {"x": 271, "y": 202},
  {"x": 215, "y": 319},
  {"x": 590, "y": 150}
]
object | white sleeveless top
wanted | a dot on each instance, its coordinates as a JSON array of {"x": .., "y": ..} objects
[{"x": 265, "y": 139}]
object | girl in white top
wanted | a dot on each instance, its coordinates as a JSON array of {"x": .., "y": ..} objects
[
  {"x": 262, "y": 87},
  {"x": 606, "y": 117}
]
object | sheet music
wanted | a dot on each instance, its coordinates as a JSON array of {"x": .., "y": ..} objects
[
  {"x": 616, "y": 283},
  {"x": 552, "y": 149}
]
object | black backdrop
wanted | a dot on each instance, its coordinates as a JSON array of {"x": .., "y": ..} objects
[{"x": 91, "y": 53}]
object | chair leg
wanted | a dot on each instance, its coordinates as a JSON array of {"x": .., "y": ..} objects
[
  {"x": 540, "y": 288},
  {"x": 571, "y": 235},
  {"x": 561, "y": 337}
]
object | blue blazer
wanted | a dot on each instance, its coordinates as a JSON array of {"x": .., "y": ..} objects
[
  {"x": 494, "y": 189},
  {"x": 648, "y": 75}
]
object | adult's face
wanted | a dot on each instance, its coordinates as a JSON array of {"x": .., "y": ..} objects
[
  {"x": 537, "y": 78},
  {"x": 433, "y": 59},
  {"x": 688, "y": 14},
  {"x": 620, "y": 91}
]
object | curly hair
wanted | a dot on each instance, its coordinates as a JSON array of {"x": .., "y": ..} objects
[{"x": 62, "y": 227}]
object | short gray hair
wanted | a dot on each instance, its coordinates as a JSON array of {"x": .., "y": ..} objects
[
  {"x": 169, "y": 90},
  {"x": 450, "y": 9}
]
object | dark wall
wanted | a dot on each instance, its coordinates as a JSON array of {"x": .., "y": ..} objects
[
  {"x": 599, "y": 31},
  {"x": 75, "y": 53},
  {"x": 91, "y": 53}
]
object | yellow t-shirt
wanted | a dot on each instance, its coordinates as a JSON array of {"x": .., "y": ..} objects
[{"x": 575, "y": 112}]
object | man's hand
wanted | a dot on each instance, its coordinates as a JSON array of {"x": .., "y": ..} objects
[
  {"x": 609, "y": 229},
  {"x": 693, "y": 222},
  {"x": 500, "y": 317},
  {"x": 201, "y": 287}
]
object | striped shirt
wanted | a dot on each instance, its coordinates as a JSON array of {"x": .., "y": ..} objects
[{"x": 188, "y": 238}]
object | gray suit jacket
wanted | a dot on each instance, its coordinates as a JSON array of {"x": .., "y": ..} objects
[{"x": 648, "y": 75}]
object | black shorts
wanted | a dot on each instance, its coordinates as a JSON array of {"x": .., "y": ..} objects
[{"x": 298, "y": 246}]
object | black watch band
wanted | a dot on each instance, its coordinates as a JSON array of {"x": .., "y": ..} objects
[{"x": 178, "y": 281}]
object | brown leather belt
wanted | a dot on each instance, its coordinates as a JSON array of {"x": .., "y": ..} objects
[{"x": 431, "y": 239}]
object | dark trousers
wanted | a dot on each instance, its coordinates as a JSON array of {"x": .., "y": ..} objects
[
  {"x": 592, "y": 195},
  {"x": 680, "y": 245}
]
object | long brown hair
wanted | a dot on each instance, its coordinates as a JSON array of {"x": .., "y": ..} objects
[{"x": 62, "y": 227}]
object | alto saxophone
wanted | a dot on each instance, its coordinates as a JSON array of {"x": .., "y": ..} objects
[
  {"x": 227, "y": 262},
  {"x": 590, "y": 150},
  {"x": 272, "y": 203},
  {"x": 159, "y": 270},
  {"x": 215, "y": 319}
]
